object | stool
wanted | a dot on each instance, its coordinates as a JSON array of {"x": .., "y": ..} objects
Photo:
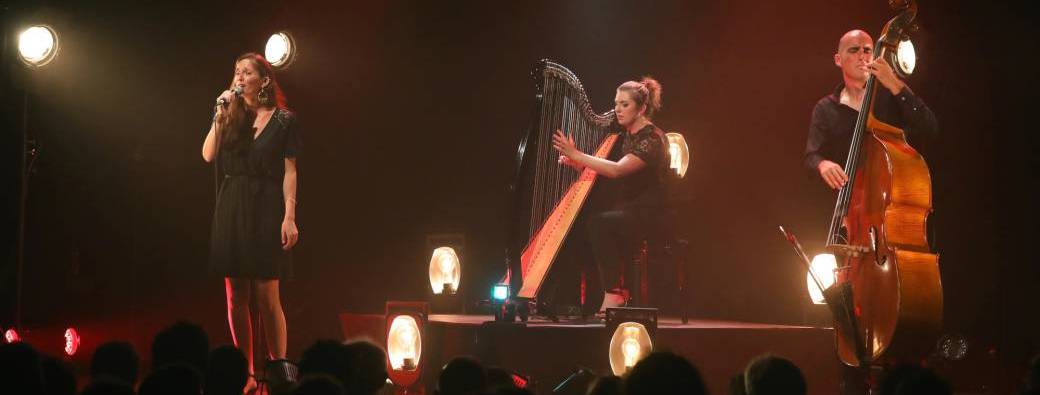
[{"x": 671, "y": 249}]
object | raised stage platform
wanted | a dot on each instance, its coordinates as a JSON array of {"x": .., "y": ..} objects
[{"x": 549, "y": 352}]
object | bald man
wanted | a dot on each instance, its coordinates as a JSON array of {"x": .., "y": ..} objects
[{"x": 834, "y": 118}]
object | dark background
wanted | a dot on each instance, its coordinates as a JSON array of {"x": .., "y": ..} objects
[{"x": 411, "y": 111}]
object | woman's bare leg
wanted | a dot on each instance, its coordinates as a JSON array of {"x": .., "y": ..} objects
[
  {"x": 270, "y": 304},
  {"x": 238, "y": 295}
]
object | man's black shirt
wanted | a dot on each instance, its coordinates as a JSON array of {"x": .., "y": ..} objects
[{"x": 830, "y": 131}]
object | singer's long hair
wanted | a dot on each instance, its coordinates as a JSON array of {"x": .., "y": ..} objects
[{"x": 239, "y": 119}]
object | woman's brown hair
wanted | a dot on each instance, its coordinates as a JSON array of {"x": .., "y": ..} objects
[
  {"x": 235, "y": 123},
  {"x": 646, "y": 91}
]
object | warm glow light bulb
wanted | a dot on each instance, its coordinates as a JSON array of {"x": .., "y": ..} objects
[
  {"x": 37, "y": 44},
  {"x": 630, "y": 348},
  {"x": 823, "y": 265},
  {"x": 403, "y": 344},
  {"x": 407, "y": 336},
  {"x": 445, "y": 271},
  {"x": 447, "y": 266},
  {"x": 676, "y": 161},
  {"x": 678, "y": 154},
  {"x": 629, "y": 344},
  {"x": 279, "y": 49},
  {"x": 906, "y": 57}
]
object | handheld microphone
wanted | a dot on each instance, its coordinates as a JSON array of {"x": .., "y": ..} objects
[{"x": 237, "y": 90}]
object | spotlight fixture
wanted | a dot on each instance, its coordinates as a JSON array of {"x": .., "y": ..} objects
[
  {"x": 499, "y": 293},
  {"x": 445, "y": 271},
  {"x": 500, "y": 308},
  {"x": 280, "y": 50},
  {"x": 823, "y": 266},
  {"x": 520, "y": 380},
  {"x": 37, "y": 45},
  {"x": 405, "y": 323},
  {"x": 632, "y": 340},
  {"x": 72, "y": 341},
  {"x": 903, "y": 58},
  {"x": 679, "y": 154},
  {"x": 11, "y": 336}
]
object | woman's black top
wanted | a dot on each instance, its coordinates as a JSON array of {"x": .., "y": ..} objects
[{"x": 246, "y": 236}]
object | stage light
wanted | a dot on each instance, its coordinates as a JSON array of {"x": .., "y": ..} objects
[
  {"x": 72, "y": 341},
  {"x": 629, "y": 344},
  {"x": 499, "y": 293},
  {"x": 503, "y": 308},
  {"x": 37, "y": 45},
  {"x": 519, "y": 380},
  {"x": 823, "y": 265},
  {"x": 404, "y": 343},
  {"x": 679, "y": 154},
  {"x": 952, "y": 346},
  {"x": 11, "y": 336},
  {"x": 632, "y": 340},
  {"x": 280, "y": 50},
  {"x": 445, "y": 271},
  {"x": 406, "y": 322},
  {"x": 906, "y": 58}
]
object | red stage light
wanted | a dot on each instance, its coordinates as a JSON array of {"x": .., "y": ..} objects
[
  {"x": 11, "y": 336},
  {"x": 71, "y": 341},
  {"x": 519, "y": 381}
]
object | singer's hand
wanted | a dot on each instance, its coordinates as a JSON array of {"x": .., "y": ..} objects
[
  {"x": 290, "y": 235},
  {"x": 227, "y": 96}
]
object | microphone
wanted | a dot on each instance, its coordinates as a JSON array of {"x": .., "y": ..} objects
[{"x": 237, "y": 90}]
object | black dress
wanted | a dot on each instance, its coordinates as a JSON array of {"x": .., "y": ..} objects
[
  {"x": 247, "y": 222},
  {"x": 613, "y": 233}
]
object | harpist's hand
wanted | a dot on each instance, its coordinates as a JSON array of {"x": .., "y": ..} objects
[
  {"x": 289, "y": 234},
  {"x": 832, "y": 174},
  {"x": 565, "y": 144},
  {"x": 567, "y": 161}
]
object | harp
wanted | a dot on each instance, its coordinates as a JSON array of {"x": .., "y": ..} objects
[{"x": 547, "y": 193}]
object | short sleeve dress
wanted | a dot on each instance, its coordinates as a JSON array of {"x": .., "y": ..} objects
[
  {"x": 643, "y": 190},
  {"x": 246, "y": 235}
]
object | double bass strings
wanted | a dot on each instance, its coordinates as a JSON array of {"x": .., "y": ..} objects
[{"x": 852, "y": 163}]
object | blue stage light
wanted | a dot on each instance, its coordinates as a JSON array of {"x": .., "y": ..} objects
[{"x": 499, "y": 292}]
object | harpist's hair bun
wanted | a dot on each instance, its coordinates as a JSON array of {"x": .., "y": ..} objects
[{"x": 647, "y": 91}]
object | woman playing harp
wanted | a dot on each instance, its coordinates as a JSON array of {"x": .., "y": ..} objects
[{"x": 615, "y": 232}]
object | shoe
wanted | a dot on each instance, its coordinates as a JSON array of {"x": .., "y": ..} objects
[
  {"x": 611, "y": 299},
  {"x": 251, "y": 386}
]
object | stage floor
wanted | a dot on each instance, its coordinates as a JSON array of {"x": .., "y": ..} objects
[{"x": 548, "y": 351}]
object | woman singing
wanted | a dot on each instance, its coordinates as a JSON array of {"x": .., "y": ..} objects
[
  {"x": 255, "y": 144},
  {"x": 642, "y": 167}
]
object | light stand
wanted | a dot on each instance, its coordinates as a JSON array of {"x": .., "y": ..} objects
[{"x": 28, "y": 158}]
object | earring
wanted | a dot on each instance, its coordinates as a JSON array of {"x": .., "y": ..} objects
[{"x": 262, "y": 96}]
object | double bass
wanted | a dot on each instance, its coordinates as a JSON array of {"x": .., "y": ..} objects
[{"x": 887, "y": 299}]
